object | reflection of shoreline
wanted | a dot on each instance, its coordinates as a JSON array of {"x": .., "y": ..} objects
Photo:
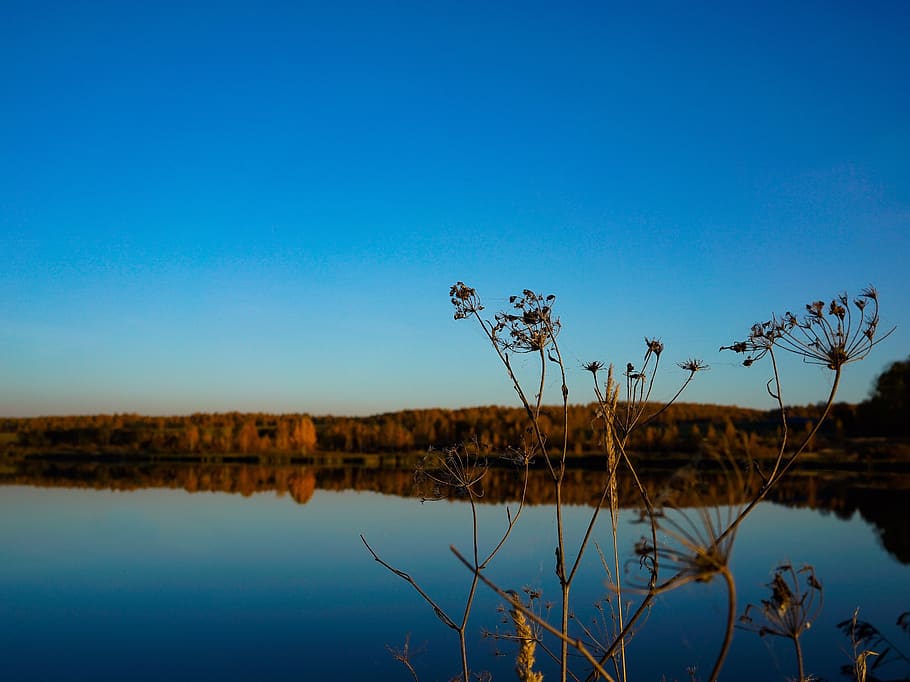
[
  {"x": 245, "y": 479},
  {"x": 875, "y": 497}
]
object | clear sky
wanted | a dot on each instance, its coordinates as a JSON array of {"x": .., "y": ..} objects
[{"x": 210, "y": 206}]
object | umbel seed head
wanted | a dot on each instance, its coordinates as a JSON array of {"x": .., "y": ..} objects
[{"x": 832, "y": 336}]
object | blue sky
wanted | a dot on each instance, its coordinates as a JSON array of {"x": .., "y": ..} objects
[{"x": 261, "y": 206}]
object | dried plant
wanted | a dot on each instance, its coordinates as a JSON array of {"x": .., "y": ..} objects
[
  {"x": 527, "y": 637},
  {"x": 690, "y": 538},
  {"x": 616, "y": 425},
  {"x": 403, "y": 655},
  {"x": 864, "y": 635},
  {"x": 456, "y": 471},
  {"x": 694, "y": 549},
  {"x": 539, "y": 620},
  {"x": 832, "y": 336},
  {"x": 789, "y": 611},
  {"x": 531, "y": 326},
  {"x": 519, "y": 629}
]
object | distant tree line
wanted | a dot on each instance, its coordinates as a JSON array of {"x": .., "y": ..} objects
[{"x": 683, "y": 428}]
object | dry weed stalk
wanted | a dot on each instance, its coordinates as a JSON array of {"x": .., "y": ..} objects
[
  {"x": 526, "y": 634},
  {"x": 403, "y": 655},
  {"x": 616, "y": 427},
  {"x": 863, "y": 635},
  {"x": 532, "y": 327},
  {"x": 789, "y": 611}
]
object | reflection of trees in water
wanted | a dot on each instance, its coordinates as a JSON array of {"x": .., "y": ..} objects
[
  {"x": 884, "y": 507},
  {"x": 886, "y": 510},
  {"x": 878, "y": 499},
  {"x": 297, "y": 481}
]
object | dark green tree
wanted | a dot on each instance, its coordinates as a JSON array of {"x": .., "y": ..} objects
[{"x": 887, "y": 412}]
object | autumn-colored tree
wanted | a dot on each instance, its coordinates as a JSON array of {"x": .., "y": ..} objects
[
  {"x": 247, "y": 439},
  {"x": 191, "y": 438},
  {"x": 303, "y": 437},
  {"x": 283, "y": 435}
]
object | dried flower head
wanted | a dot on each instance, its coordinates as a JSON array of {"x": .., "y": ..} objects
[
  {"x": 790, "y": 609},
  {"x": 593, "y": 367},
  {"x": 457, "y": 471},
  {"x": 693, "y": 365},
  {"x": 831, "y": 335},
  {"x": 531, "y": 327},
  {"x": 656, "y": 346},
  {"x": 465, "y": 300},
  {"x": 698, "y": 531}
]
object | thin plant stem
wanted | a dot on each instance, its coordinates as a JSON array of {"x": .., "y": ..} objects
[
  {"x": 403, "y": 656},
  {"x": 614, "y": 522},
  {"x": 557, "y": 472},
  {"x": 777, "y": 394},
  {"x": 651, "y": 417},
  {"x": 565, "y": 579},
  {"x": 731, "y": 621},
  {"x": 799, "y": 658},
  {"x": 462, "y": 629}
]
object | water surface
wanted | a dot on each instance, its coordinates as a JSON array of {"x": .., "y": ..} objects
[{"x": 158, "y": 583}]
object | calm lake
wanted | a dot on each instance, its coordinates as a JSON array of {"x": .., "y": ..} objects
[{"x": 104, "y": 576}]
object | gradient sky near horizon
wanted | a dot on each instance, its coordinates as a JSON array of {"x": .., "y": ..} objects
[{"x": 210, "y": 206}]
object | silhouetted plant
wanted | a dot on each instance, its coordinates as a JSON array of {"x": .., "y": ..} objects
[
  {"x": 696, "y": 538},
  {"x": 457, "y": 471},
  {"x": 832, "y": 337},
  {"x": 526, "y": 636},
  {"x": 531, "y": 326},
  {"x": 864, "y": 636},
  {"x": 789, "y": 611},
  {"x": 404, "y": 654},
  {"x": 824, "y": 335}
]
